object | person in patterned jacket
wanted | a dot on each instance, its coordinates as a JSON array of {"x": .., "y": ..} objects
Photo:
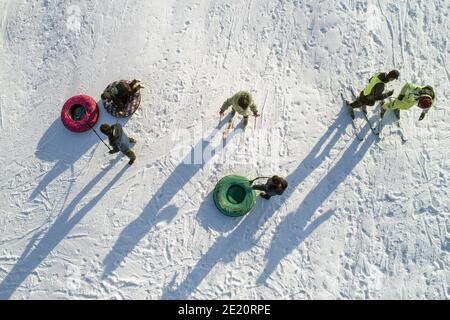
[
  {"x": 119, "y": 141},
  {"x": 119, "y": 93}
]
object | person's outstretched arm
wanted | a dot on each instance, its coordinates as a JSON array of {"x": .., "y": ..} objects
[
  {"x": 227, "y": 104},
  {"x": 254, "y": 109},
  {"x": 424, "y": 112}
]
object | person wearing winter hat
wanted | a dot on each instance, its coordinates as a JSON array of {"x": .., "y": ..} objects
[
  {"x": 373, "y": 91},
  {"x": 119, "y": 141},
  {"x": 409, "y": 96}
]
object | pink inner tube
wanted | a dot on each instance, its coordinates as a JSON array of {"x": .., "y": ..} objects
[{"x": 86, "y": 109}]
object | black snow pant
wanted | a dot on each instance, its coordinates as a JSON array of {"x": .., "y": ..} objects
[{"x": 362, "y": 102}]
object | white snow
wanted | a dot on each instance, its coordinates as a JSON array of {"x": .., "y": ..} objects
[{"x": 365, "y": 220}]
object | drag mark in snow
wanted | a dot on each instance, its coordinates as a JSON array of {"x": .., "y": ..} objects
[
  {"x": 401, "y": 36},
  {"x": 2, "y": 102},
  {"x": 390, "y": 31},
  {"x": 124, "y": 11},
  {"x": 249, "y": 9},
  {"x": 444, "y": 64},
  {"x": 263, "y": 106},
  {"x": 424, "y": 179},
  {"x": 229, "y": 40}
]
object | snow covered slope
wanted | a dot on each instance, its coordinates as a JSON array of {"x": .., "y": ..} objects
[{"x": 359, "y": 220}]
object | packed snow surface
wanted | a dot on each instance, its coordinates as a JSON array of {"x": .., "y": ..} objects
[{"x": 360, "y": 220}]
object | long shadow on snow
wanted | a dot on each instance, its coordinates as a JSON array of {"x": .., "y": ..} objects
[
  {"x": 151, "y": 215},
  {"x": 293, "y": 230},
  {"x": 65, "y": 148},
  {"x": 38, "y": 249},
  {"x": 241, "y": 239},
  {"x": 211, "y": 219}
]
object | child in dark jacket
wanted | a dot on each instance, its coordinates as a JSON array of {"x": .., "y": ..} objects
[
  {"x": 119, "y": 141},
  {"x": 275, "y": 186}
]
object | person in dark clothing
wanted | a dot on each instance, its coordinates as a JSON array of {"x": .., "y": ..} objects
[
  {"x": 119, "y": 141},
  {"x": 275, "y": 186},
  {"x": 120, "y": 93},
  {"x": 374, "y": 91}
]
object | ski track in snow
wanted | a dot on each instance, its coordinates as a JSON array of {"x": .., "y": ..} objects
[{"x": 360, "y": 220}]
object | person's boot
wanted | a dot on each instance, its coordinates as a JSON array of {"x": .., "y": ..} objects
[
  {"x": 382, "y": 112},
  {"x": 132, "y": 140},
  {"x": 397, "y": 113},
  {"x": 245, "y": 121},
  {"x": 130, "y": 154}
]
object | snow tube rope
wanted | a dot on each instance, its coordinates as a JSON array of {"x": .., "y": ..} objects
[
  {"x": 80, "y": 113},
  {"x": 234, "y": 196}
]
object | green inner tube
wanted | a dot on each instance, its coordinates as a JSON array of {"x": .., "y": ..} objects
[{"x": 234, "y": 196}]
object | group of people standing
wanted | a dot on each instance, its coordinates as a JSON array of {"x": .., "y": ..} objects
[{"x": 242, "y": 103}]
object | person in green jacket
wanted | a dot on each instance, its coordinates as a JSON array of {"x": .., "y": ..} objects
[
  {"x": 374, "y": 91},
  {"x": 242, "y": 103},
  {"x": 409, "y": 96}
]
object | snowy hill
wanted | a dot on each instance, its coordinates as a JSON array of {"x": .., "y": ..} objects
[{"x": 360, "y": 220}]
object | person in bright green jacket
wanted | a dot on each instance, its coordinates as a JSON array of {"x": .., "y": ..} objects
[
  {"x": 374, "y": 91},
  {"x": 242, "y": 103},
  {"x": 409, "y": 96}
]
